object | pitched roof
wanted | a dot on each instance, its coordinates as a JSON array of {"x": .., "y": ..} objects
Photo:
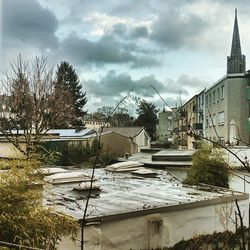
[{"x": 125, "y": 131}]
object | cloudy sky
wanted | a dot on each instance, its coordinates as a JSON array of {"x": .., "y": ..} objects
[{"x": 178, "y": 46}]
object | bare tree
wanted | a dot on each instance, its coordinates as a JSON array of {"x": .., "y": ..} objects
[{"x": 30, "y": 106}]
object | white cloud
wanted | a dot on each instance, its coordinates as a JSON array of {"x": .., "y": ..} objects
[{"x": 102, "y": 22}]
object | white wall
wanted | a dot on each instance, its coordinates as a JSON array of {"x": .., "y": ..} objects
[
  {"x": 142, "y": 140},
  {"x": 162, "y": 229}
]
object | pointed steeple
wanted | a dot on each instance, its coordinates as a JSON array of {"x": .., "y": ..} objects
[
  {"x": 236, "y": 48},
  {"x": 236, "y": 62}
]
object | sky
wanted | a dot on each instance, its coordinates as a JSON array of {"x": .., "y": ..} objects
[{"x": 178, "y": 46}]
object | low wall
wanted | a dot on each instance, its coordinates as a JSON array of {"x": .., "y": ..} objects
[{"x": 164, "y": 229}]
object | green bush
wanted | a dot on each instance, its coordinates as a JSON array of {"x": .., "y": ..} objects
[
  {"x": 215, "y": 241},
  {"x": 23, "y": 218},
  {"x": 209, "y": 167},
  {"x": 78, "y": 153}
]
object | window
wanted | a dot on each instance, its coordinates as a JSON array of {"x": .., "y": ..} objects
[
  {"x": 206, "y": 101},
  {"x": 222, "y": 91},
  {"x": 206, "y": 121},
  {"x": 214, "y": 119},
  {"x": 221, "y": 118},
  {"x": 210, "y": 99},
  {"x": 218, "y": 94},
  {"x": 214, "y": 96}
]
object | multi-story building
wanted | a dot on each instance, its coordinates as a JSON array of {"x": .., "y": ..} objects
[
  {"x": 165, "y": 126},
  {"x": 226, "y": 103},
  {"x": 221, "y": 112},
  {"x": 191, "y": 120}
]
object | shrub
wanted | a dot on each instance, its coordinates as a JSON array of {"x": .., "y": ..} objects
[
  {"x": 17, "y": 163},
  {"x": 23, "y": 219},
  {"x": 78, "y": 153},
  {"x": 209, "y": 167}
]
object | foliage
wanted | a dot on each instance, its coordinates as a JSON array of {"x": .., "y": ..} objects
[
  {"x": 68, "y": 81},
  {"x": 147, "y": 117},
  {"x": 17, "y": 163},
  {"x": 209, "y": 167},
  {"x": 23, "y": 219},
  {"x": 120, "y": 118},
  {"x": 77, "y": 153},
  {"x": 107, "y": 159},
  {"x": 218, "y": 241},
  {"x": 103, "y": 113},
  {"x": 31, "y": 106}
]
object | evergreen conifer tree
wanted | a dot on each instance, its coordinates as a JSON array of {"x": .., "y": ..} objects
[
  {"x": 147, "y": 117},
  {"x": 67, "y": 80}
]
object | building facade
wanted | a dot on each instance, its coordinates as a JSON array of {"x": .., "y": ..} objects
[
  {"x": 190, "y": 121},
  {"x": 165, "y": 126},
  {"x": 226, "y": 101},
  {"x": 221, "y": 112}
]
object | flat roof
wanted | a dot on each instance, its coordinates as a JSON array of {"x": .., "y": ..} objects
[{"x": 123, "y": 195}]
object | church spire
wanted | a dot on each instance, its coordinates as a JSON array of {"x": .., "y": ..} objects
[
  {"x": 236, "y": 62},
  {"x": 236, "y": 48}
]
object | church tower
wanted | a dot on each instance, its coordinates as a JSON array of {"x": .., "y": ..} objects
[{"x": 236, "y": 62}]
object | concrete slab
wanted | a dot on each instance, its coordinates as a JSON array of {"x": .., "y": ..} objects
[
  {"x": 173, "y": 155},
  {"x": 124, "y": 195},
  {"x": 146, "y": 159}
]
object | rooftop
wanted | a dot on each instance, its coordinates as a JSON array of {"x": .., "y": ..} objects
[
  {"x": 123, "y": 195},
  {"x": 70, "y": 132},
  {"x": 125, "y": 131}
]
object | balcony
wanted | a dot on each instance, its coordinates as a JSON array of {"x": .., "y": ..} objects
[{"x": 197, "y": 126}]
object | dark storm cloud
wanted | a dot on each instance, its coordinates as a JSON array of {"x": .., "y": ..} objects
[
  {"x": 185, "y": 84},
  {"x": 139, "y": 32},
  {"x": 107, "y": 50},
  {"x": 114, "y": 84},
  {"x": 127, "y": 32},
  {"x": 27, "y": 21},
  {"x": 173, "y": 29}
]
